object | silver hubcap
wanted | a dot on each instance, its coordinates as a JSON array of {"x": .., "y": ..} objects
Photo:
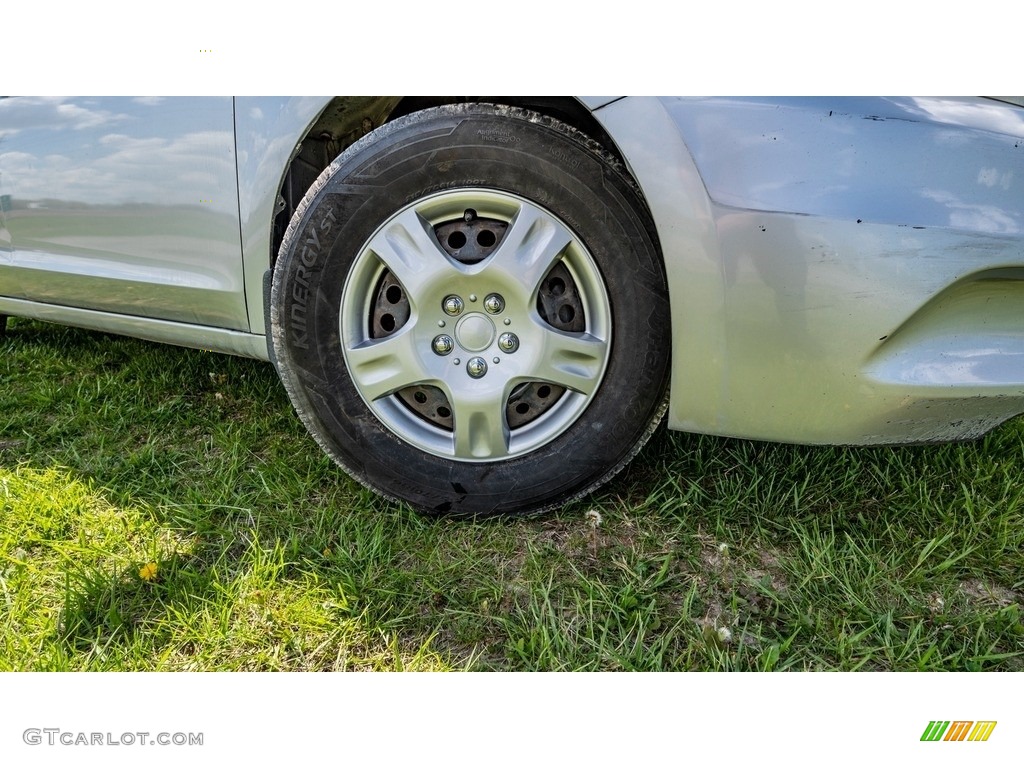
[{"x": 481, "y": 261}]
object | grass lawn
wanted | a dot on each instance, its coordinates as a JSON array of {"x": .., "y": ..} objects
[{"x": 163, "y": 509}]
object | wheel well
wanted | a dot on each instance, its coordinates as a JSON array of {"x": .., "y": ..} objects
[{"x": 346, "y": 119}]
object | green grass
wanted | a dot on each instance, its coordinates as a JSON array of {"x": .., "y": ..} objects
[{"x": 706, "y": 554}]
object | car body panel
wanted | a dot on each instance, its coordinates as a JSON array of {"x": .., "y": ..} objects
[
  {"x": 840, "y": 271},
  {"x": 165, "y": 331},
  {"x": 128, "y": 206},
  {"x": 683, "y": 216},
  {"x": 268, "y": 130},
  {"x": 596, "y": 102},
  {"x": 923, "y": 162}
]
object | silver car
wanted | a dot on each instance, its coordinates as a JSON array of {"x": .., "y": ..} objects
[{"x": 485, "y": 306}]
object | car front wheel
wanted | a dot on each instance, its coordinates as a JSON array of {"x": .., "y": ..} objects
[{"x": 469, "y": 312}]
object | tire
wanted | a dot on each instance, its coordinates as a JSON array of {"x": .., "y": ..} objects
[{"x": 469, "y": 312}]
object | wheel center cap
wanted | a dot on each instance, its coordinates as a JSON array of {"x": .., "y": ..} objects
[{"x": 474, "y": 332}]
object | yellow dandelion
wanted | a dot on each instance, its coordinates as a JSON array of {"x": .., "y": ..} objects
[{"x": 148, "y": 572}]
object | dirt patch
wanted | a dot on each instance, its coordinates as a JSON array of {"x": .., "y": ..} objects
[{"x": 993, "y": 594}]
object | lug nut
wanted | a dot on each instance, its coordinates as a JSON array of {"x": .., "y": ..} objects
[
  {"x": 452, "y": 305},
  {"x": 443, "y": 344},
  {"x": 494, "y": 303},
  {"x": 508, "y": 342},
  {"x": 476, "y": 367}
]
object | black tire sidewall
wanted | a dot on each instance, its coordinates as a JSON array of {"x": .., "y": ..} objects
[{"x": 446, "y": 149}]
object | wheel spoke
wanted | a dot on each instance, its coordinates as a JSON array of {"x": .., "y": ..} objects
[
  {"x": 480, "y": 428},
  {"x": 381, "y": 367},
  {"x": 571, "y": 360},
  {"x": 408, "y": 248},
  {"x": 531, "y": 246}
]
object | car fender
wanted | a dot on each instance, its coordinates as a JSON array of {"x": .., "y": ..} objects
[{"x": 840, "y": 271}]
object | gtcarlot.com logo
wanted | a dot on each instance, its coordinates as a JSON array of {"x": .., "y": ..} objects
[
  {"x": 958, "y": 730},
  {"x": 53, "y": 737}
]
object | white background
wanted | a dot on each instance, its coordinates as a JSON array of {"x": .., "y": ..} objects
[{"x": 191, "y": 47}]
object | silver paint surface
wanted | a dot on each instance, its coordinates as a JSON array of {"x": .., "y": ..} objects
[
  {"x": 164, "y": 331},
  {"x": 853, "y": 277},
  {"x": 124, "y": 205},
  {"x": 269, "y": 129}
]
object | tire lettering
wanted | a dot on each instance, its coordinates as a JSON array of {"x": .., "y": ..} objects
[
  {"x": 447, "y": 185},
  {"x": 565, "y": 157},
  {"x": 300, "y": 291},
  {"x": 300, "y": 333},
  {"x": 313, "y": 240},
  {"x": 325, "y": 225},
  {"x": 498, "y": 137}
]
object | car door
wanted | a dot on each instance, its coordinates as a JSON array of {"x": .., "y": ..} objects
[{"x": 122, "y": 205}]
